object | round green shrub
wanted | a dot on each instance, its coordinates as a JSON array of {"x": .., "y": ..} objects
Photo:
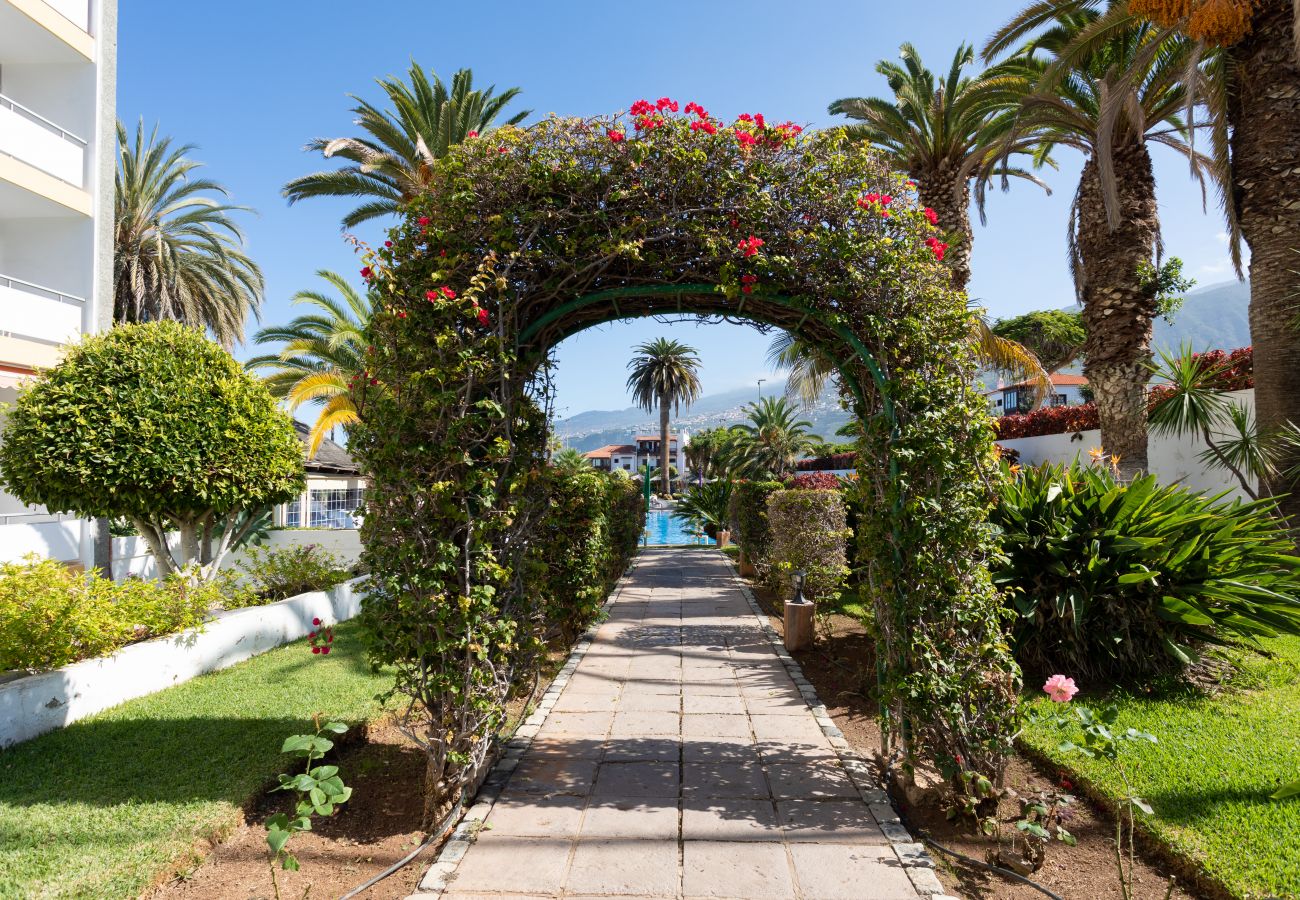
[
  {"x": 1112, "y": 581},
  {"x": 156, "y": 423},
  {"x": 747, "y": 513}
]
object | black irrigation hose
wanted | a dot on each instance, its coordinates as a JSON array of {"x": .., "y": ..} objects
[
  {"x": 447, "y": 823},
  {"x": 983, "y": 865}
]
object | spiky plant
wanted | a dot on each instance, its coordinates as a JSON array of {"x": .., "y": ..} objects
[
  {"x": 177, "y": 252},
  {"x": 392, "y": 162}
]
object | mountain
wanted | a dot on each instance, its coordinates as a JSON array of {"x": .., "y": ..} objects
[{"x": 1212, "y": 317}]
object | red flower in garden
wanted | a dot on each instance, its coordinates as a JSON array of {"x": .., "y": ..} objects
[
  {"x": 641, "y": 108},
  {"x": 665, "y": 103},
  {"x": 734, "y": 223},
  {"x": 472, "y": 134},
  {"x": 315, "y": 621},
  {"x": 884, "y": 214},
  {"x": 758, "y": 120},
  {"x": 707, "y": 127},
  {"x": 448, "y": 292},
  {"x": 747, "y": 283},
  {"x": 431, "y": 296},
  {"x": 503, "y": 149},
  {"x": 909, "y": 183},
  {"x": 315, "y": 649},
  {"x": 442, "y": 252},
  {"x": 424, "y": 220},
  {"x": 615, "y": 136},
  {"x": 388, "y": 243},
  {"x": 745, "y": 117},
  {"x": 366, "y": 272},
  {"x": 867, "y": 199},
  {"x": 937, "y": 246},
  {"x": 750, "y": 245},
  {"x": 745, "y": 139},
  {"x": 931, "y": 215},
  {"x": 401, "y": 315},
  {"x": 483, "y": 317},
  {"x": 697, "y": 109},
  {"x": 325, "y": 650}
]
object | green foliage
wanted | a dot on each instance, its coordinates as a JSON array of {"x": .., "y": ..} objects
[
  {"x": 747, "y": 516},
  {"x": 156, "y": 423},
  {"x": 1055, "y": 336},
  {"x": 705, "y": 505},
  {"x": 809, "y": 534},
  {"x": 276, "y": 573},
  {"x": 1168, "y": 284},
  {"x": 769, "y": 444},
  {"x": 317, "y": 790},
  {"x": 1112, "y": 580},
  {"x": 52, "y": 615},
  {"x": 571, "y": 461}
]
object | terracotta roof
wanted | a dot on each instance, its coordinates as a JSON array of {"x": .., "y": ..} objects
[
  {"x": 609, "y": 450},
  {"x": 330, "y": 458},
  {"x": 654, "y": 437},
  {"x": 1057, "y": 379}
]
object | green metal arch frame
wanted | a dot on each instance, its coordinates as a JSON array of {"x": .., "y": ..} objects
[{"x": 612, "y": 296}]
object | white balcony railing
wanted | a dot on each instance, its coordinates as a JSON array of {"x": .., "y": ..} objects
[
  {"x": 37, "y": 141},
  {"x": 30, "y": 311},
  {"x": 75, "y": 11}
]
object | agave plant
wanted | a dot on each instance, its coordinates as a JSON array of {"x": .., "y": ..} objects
[{"x": 1114, "y": 580}]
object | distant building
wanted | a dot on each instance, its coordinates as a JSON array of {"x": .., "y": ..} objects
[
  {"x": 632, "y": 458},
  {"x": 57, "y": 146},
  {"x": 334, "y": 492},
  {"x": 1067, "y": 390}
]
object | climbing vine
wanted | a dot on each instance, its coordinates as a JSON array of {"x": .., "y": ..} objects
[{"x": 527, "y": 236}]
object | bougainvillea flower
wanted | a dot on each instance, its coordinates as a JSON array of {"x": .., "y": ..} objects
[
  {"x": 472, "y": 134},
  {"x": 1060, "y": 689},
  {"x": 931, "y": 215},
  {"x": 448, "y": 292},
  {"x": 424, "y": 220},
  {"x": 615, "y": 136},
  {"x": 666, "y": 103},
  {"x": 366, "y": 272},
  {"x": 483, "y": 317},
  {"x": 749, "y": 246},
  {"x": 431, "y": 296},
  {"x": 641, "y": 108},
  {"x": 937, "y": 246}
]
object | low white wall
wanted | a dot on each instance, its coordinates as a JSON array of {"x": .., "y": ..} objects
[
  {"x": 60, "y": 539},
  {"x": 131, "y": 555},
  {"x": 1171, "y": 460},
  {"x": 34, "y": 704}
]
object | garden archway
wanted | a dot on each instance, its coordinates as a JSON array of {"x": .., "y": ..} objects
[{"x": 528, "y": 236}]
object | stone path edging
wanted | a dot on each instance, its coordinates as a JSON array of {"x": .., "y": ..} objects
[
  {"x": 438, "y": 877},
  {"x": 911, "y": 854}
]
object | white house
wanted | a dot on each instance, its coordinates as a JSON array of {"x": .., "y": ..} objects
[
  {"x": 632, "y": 458},
  {"x": 334, "y": 490},
  {"x": 1006, "y": 400},
  {"x": 58, "y": 63}
]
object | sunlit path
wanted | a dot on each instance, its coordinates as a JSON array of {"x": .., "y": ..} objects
[{"x": 681, "y": 760}]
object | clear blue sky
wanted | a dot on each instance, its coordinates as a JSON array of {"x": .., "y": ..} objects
[{"x": 251, "y": 81}]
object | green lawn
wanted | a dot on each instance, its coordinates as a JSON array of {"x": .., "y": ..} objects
[
  {"x": 104, "y": 807},
  {"x": 1209, "y": 777}
]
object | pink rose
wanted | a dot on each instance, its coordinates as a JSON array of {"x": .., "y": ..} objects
[{"x": 1060, "y": 689}]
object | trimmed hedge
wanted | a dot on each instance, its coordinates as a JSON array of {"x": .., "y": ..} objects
[
  {"x": 747, "y": 513},
  {"x": 1048, "y": 420},
  {"x": 809, "y": 531},
  {"x": 52, "y": 615},
  {"x": 815, "y": 481}
]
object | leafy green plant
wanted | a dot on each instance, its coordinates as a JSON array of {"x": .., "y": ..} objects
[
  {"x": 747, "y": 516},
  {"x": 704, "y": 506},
  {"x": 809, "y": 534},
  {"x": 52, "y": 615},
  {"x": 1117, "y": 580},
  {"x": 280, "y": 572},
  {"x": 317, "y": 790},
  {"x": 184, "y": 442}
]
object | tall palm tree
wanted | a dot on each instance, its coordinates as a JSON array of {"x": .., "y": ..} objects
[
  {"x": 1109, "y": 99},
  {"x": 808, "y": 368},
  {"x": 1254, "y": 109},
  {"x": 943, "y": 134},
  {"x": 324, "y": 350},
  {"x": 177, "y": 253},
  {"x": 663, "y": 376},
  {"x": 394, "y": 161},
  {"x": 773, "y": 439}
]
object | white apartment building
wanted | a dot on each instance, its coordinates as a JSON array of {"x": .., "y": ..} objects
[
  {"x": 633, "y": 457},
  {"x": 58, "y": 62}
]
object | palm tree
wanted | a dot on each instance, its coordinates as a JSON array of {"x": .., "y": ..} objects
[
  {"x": 394, "y": 162},
  {"x": 323, "y": 352},
  {"x": 808, "y": 368},
  {"x": 570, "y": 461},
  {"x": 663, "y": 376},
  {"x": 1108, "y": 98},
  {"x": 944, "y": 134},
  {"x": 1253, "y": 65},
  {"x": 177, "y": 253},
  {"x": 773, "y": 439}
]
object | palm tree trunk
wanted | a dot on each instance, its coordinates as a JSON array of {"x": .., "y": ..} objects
[
  {"x": 1264, "y": 113},
  {"x": 1117, "y": 307},
  {"x": 666, "y": 480},
  {"x": 950, "y": 201}
]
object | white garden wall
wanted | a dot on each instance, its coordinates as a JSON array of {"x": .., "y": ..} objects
[
  {"x": 34, "y": 704},
  {"x": 1171, "y": 460},
  {"x": 131, "y": 555}
]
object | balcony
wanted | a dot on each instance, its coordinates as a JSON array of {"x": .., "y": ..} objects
[
  {"x": 30, "y": 137},
  {"x": 46, "y": 32},
  {"x": 36, "y": 313},
  {"x": 75, "y": 11}
]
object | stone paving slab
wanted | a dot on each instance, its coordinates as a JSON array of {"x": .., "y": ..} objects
[{"x": 681, "y": 754}]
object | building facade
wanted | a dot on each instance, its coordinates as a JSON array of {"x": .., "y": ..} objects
[
  {"x": 58, "y": 64},
  {"x": 1012, "y": 399},
  {"x": 334, "y": 493},
  {"x": 632, "y": 458}
]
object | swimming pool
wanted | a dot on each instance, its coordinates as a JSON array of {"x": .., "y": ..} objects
[{"x": 662, "y": 528}]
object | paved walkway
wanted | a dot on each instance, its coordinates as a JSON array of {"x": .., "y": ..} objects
[{"x": 681, "y": 760}]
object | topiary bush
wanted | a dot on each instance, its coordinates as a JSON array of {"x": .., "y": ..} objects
[
  {"x": 626, "y": 521},
  {"x": 1113, "y": 581},
  {"x": 809, "y": 533},
  {"x": 747, "y": 513},
  {"x": 52, "y": 615},
  {"x": 155, "y": 423}
]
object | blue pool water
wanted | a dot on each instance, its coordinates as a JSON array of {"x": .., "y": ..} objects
[{"x": 662, "y": 528}]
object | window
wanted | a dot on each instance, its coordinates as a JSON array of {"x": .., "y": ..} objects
[
  {"x": 334, "y": 508},
  {"x": 1060, "y": 400}
]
